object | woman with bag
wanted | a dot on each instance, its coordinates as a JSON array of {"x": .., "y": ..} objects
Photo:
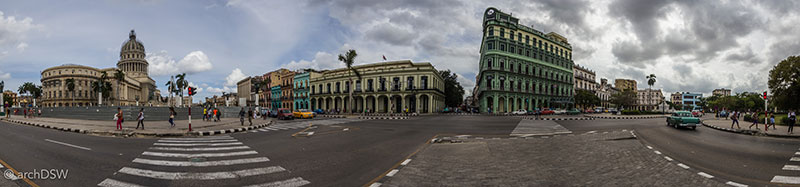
[
  {"x": 119, "y": 118},
  {"x": 171, "y": 117},
  {"x": 140, "y": 118}
]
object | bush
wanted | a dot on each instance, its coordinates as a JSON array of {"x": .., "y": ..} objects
[
  {"x": 631, "y": 112},
  {"x": 748, "y": 118}
]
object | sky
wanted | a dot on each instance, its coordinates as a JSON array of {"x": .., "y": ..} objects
[{"x": 691, "y": 46}]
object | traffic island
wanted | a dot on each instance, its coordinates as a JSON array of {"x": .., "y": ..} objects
[
  {"x": 152, "y": 128},
  {"x": 723, "y": 124}
]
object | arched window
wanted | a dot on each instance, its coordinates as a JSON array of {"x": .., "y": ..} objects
[
  {"x": 489, "y": 62},
  {"x": 491, "y": 31}
]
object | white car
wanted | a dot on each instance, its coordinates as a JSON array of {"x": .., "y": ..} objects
[
  {"x": 560, "y": 111},
  {"x": 520, "y": 112}
]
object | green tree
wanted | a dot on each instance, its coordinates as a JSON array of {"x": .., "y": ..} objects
[
  {"x": 348, "y": 58},
  {"x": 784, "y": 82},
  {"x": 120, "y": 77},
  {"x": 585, "y": 98},
  {"x": 181, "y": 84},
  {"x": 624, "y": 98},
  {"x": 71, "y": 88},
  {"x": 651, "y": 80},
  {"x": 453, "y": 91}
]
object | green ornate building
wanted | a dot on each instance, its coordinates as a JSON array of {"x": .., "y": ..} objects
[{"x": 521, "y": 67}]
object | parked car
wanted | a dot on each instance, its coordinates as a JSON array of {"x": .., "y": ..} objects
[
  {"x": 303, "y": 113},
  {"x": 613, "y": 111},
  {"x": 560, "y": 111},
  {"x": 520, "y": 112},
  {"x": 683, "y": 119},
  {"x": 600, "y": 110},
  {"x": 285, "y": 113},
  {"x": 273, "y": 113},
  {"x": 573, "y": 111},
  {"x": 697, "y": 113},
  {"x": 547, "y": 111},
  {"x": 319, "y": 111},
  {"x": 588, "y": 111},
  {"x": 535, "y": 111}
]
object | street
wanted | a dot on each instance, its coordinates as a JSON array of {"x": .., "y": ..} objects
[{"x": 349, "y": 152}]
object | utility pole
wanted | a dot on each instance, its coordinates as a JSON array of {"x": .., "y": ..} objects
[{"x": 765, "y": 109}]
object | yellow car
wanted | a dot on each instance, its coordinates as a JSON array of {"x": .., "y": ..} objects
[{"x": 303, "y": 113}]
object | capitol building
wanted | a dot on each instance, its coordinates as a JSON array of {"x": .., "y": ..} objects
[{"x": 137, "y": 87}]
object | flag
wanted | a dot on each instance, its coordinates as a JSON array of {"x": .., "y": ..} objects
[{"x": 384, "y": 57}]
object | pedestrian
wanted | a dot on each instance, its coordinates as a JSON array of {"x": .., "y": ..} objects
[
  {"x": 140, "y": 119},
  {"x": 755, "y": 120},
  {"x": 217, "y": 113},
  {"x": 771, "y": 122},
  {"x": 250, "y": 116},
  {"x": 172, "y": 117},
  {"x": 205, "y": 113},
  {"x": 735, "y": 119},
  {"x": 241, "y": 115},
  {"x": 25, "y": 112},
  {"x": 792, "y": 119},
  {"x": 40, "y": 112},
  {"x": 119, "y": 118}
]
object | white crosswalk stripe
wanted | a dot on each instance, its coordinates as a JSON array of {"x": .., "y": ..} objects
[
  {"x": 789, "y": 167},
  {"x": 293, "y": 125},
  {"x": 167, "y": 152}
]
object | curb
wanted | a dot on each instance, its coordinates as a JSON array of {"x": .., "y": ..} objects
[
  {"x": 332, "y": 116},
  {"x": 156, "y": 134},
  {"x": 559, "y": 119},
  {"x": 410, "y": 114},
  {"x": 749, "y": 132},
  {"x": 384, "y": 117},
  {"x": 627, "y": 117}
]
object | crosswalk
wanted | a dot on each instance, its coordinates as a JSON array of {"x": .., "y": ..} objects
[
  {"x": 792, "y": 166},
  {"x": 206, "y": 161},
  {"x": 303, "y": 124}
]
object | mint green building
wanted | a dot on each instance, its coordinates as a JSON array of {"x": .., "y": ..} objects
[{"x": 521, "y": 67}]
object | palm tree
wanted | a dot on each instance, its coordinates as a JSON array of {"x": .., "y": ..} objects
[
  {"x": 348, "y": 59},
  {"x": 651, "y": 79},
  {"x": 71, "y": 88},
  {"x": 181, "y": 84},
  {"x": 171, "y": 87},
  {"x": 119, "y": 76}
]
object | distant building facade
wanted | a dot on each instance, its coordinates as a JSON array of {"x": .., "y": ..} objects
[
  {"x": 384, "y": 87},
  {"x": 287, "y": 90},
  {"x": 721, "y": 92},
  {"x": 136, "y": 86},
  {"x": 584, "y": 78},
  {"x": 649, "y": 99},
  {"x": 302, "y": 88},
  {"x": 625, "y": 84},
  {"x": 521, "y": 67},
  {"x": 687, "y": 100},
  {"x": 604, "y": 92}
]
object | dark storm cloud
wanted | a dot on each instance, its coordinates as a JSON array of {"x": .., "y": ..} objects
[
  {"x": 783, "y": 49},
  {"x": 712, "y": 27},
  {"x": 745, "y": 55}
]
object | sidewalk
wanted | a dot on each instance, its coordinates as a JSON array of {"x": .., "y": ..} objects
[
  {"x": 610, "y": 116},
  {"x": 725, "y": 124},
  {"x": 153, "y": 128}
]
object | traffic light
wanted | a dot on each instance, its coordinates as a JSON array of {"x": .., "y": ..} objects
[
  {"x": 192, "y": 91},
  {"x": 765, "y": 95}
]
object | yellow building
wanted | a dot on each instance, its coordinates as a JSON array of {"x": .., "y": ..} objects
[
  {"x": 625, "y": 84},
  {"x": 136, "y": 86},
  {"x": 385, "y": 87}
]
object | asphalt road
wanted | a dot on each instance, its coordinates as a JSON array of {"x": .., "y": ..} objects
[{"x": 354, "y": 157}]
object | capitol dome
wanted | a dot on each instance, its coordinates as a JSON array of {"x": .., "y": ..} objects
[{"x": 132, "y": 57}]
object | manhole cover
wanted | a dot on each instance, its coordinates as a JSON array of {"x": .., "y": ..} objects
[{"x": 197, "y": 159}]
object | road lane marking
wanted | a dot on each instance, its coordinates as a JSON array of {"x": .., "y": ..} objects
[
  {"x": 706, "y": 175},
  {"x": 657, "y": 152},
  {"x": 785, "y": 179},
  {"x": 294, "y": 182},
  {"x": 648, "y": 147},
  {"x": 200, "y": 164},
  {"x": 392, "y": 173},
  {"x": 198, "y": 144},
  {"x": 795, "y": 159},
  {"x": 66, "y": 144},
  {"x": 263, "y": 130},
  {"x": 182, "y": 155},
  {"x": 796, "y": 153},
  {"x": 590, "y": 132},
  {"x": 405, "y": 162},
  {"x": 735, "y": 184},
  {"x": 200, "y": 176},
  {"x": 683, "y": 166},
  {"x": 16, "y": 173},
  {"x": 791, "y": 167},
  {"x": 376, "y": 184},
  {"x": 200, "y": 148},
  {"x": 116, "y": 183},
  {"x": 668, "y": 158},
  {"x": 197, "y": 141}
]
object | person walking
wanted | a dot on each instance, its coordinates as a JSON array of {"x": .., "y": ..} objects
[
  {"x": 40, "y": 112},
  {"x": 119, "y": 118},
  {"x": 205, "y": 113},
  {"x": 771, "y": 122},
  {"x": 140, "y": 119},
  {"x": 754, "y": 117},
  {"x": 735, "y": 119},
  {"x": 792, "y": 119},
  {"x": 217, "y": 113},
  {"x": 250, "y": 116},
  {"x": 172, "y": 117},
  {"x": 241, "y": 116},
  {"x": 25, "y": 112}
]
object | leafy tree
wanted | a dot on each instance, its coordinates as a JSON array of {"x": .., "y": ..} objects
[
  {"x": 651, "y": 80},
  {"x": 586, "y": 98},
  {"x": 784, "y": 82},
  {"x": 119, "y": 76},
  {"x": 453, "y": 92},
  {"x": 348, "y": 58},
  {"x": 624, "y": 98}
]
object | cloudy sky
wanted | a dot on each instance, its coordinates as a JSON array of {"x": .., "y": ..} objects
[{"x": 694, "y": 46}]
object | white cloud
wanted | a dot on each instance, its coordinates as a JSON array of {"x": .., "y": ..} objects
[
  {"x": 163, "y": 64},
  {"x": 21, "y": 46},
  {"x": 4, "y": 76},
  {"x": 214, "y": 91},
  {"x": 322, "y": 60},
  {"x": 467, "y": 82},
  {"x": 235, "y": 76},
  {"x": 13, "y": 32}
]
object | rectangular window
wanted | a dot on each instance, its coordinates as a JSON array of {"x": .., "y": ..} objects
[
  {"x": 410, "y": 83},
  {"x": 369, "y": 85},
  {"x": 424, "y": 83},
  {"x": 358, "y": 85},
  {"x": 396, "y": 84},
  {"x": 383, "y": 84},
  {"x": 527, "y": 40},
  {"x": 502, "y": 32}
]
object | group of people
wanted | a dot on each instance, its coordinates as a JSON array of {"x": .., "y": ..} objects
[
  {"x": 250, "y": 114},
  {"x": 120, "y": 118},
  {"x": 26, "y": 112},
  {"x": 211, "y": 114},
  {"x": 736, "y": 115}
]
